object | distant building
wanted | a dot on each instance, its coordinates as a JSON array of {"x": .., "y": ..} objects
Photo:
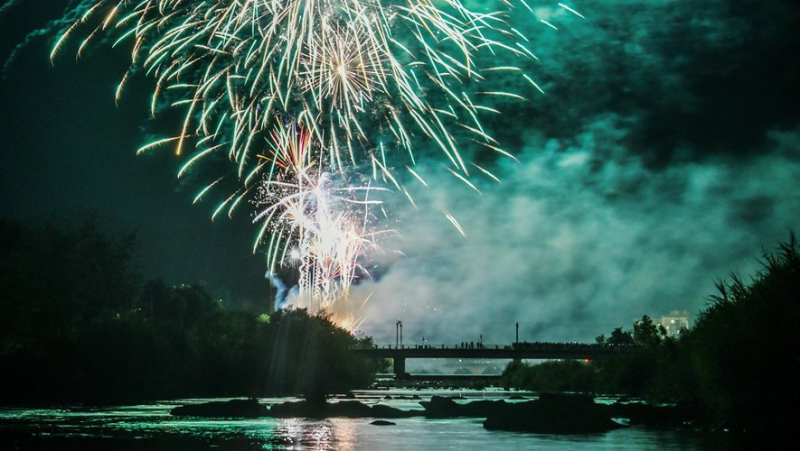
[{"x": 676, "y": 321}]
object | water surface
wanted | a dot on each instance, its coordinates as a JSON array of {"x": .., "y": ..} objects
[{"x": 151, "y": 427}]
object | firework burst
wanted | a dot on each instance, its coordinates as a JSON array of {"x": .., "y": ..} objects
[
  {"x": 359, "y": 78},
  {"x": 345, "y": 65},
  {"x": 341, "y": 67},
  {"x": 316, "y": 223}
]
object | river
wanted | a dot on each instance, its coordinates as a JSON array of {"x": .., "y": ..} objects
[{"x": 151, "y": 427}]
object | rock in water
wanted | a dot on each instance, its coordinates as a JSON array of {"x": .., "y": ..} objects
[
  {"x": 235, "y": 408},
  {"x": 342, "y": 409},
  {"x": 349, "y": 409},
  {"x": 383, "y": 423},
  {"x": 383, "y": 411},
  {"x": 441, "y": 407},
  {"x": 552, "y": 414}
]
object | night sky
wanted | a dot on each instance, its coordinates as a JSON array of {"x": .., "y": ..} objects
[{"x": 664, "y": 155}]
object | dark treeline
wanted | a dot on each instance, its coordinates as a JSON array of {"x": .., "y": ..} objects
[
  {"x": 737, "y": 368},
  {"x": 78, "y": 324}
]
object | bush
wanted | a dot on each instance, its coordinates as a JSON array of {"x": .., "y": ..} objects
[
  {"x": 550, "y": 376},
  {"x": 745, "y": 345}
]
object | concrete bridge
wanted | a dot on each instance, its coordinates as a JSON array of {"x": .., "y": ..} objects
[{"x": 555, "y": 351}]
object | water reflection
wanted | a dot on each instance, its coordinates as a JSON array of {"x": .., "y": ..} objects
[
  {"x": 307, "y": 435},
  {"x": 346, "y": 434},
  {"x": 151, "y": 427}
]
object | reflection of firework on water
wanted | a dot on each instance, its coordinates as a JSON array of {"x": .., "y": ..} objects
[{"x": 317, "y": 222}]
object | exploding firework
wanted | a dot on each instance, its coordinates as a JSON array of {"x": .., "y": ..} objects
[
  {"x": 403, "y": 70},
  {"x": 360, "y": 78},
  {"x": 316, "y": 223},
  {"x": 345, "y": 65}
]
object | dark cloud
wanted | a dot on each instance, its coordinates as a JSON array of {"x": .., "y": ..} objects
[{"x": 700, "y": 79}]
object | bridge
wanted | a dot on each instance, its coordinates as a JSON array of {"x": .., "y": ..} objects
[{"x": 555, "y": 351}]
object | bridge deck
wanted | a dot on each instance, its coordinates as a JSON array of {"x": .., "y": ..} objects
[{"x": 531, "y": 351}]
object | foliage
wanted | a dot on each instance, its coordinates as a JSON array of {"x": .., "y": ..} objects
[
  {"x": 647, "y": 334},
  {"x": 54, "y": 280},
  {"x": 310, "y": 356},
  {"x": 632, "y": 375},
  {"x": 744, "y": 347},
  {"x": 618, "y": 337},
  {"x": 78, "y": 326},
  {"x": 550, "y": 376},
  {"x": 737, "y": 367}
]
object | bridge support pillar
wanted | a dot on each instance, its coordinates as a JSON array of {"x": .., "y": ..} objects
[{"x": 399, "y": 364}]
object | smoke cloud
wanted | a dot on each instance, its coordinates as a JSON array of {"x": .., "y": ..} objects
[
  {"x": 579, "y": 238},
  {"x": 664, "y": 156}
]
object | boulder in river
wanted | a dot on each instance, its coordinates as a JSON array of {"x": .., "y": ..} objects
[
  {"x": 384, "y": 411},
  {"x": 552, "y": 414},
  {"x": 235, "y": 408},
  {"x": 442, "y": 407},
  {"x": 383, "y": 423},
  {"x": 345, "y": 409},
  {"x": 650, "y": 415}
]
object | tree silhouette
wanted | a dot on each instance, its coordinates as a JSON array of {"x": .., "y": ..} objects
[
  {"x": 745, "y": 346},
  {"x": 77, "y": 325}
]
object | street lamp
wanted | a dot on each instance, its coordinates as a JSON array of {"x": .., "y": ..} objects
[{"x": 398, "y": 334}]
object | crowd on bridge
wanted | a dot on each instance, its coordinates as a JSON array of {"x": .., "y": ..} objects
[
  {"x": 473, "y": 345},
  {"x": 555, "y": 345},
  {"x": 523, "y": 345}
]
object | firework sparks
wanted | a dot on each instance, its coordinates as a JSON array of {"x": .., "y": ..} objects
[
  {"x": 322, "y": 224},
  {"x": 345, "y": 65},
  {"x": 341, "y": 67},
  {"x": 406, "y": 71}
]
